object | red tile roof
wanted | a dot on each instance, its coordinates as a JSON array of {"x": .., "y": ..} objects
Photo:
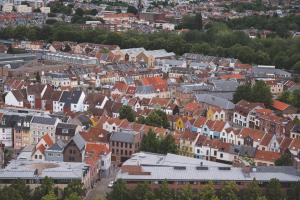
[
  {"x": 256, "y": 135},
  {"x": 279, "y": 105},
  {"x": 199, "y": 122},
  {"x": 48, "y": 140},
  {"x": 267, "y": 155},
  {"x": 41, "y": 148},
  {"x": 232, "y": 76},
  {"x": 215, "y": 125}
]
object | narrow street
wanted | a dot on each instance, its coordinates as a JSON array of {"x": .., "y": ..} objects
[{"x": 101, "y": 188}]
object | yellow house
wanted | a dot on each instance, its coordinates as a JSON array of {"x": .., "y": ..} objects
[
  {"x": 215, "y": 113},
  {"x": 187, "y": 143}
]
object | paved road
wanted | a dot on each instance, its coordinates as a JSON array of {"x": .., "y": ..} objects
[{"x": 101, "y": 189}]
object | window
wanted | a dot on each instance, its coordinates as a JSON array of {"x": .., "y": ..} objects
[
  {"x": 215, "y": 153},
  {"x": 221, "y": 155},
  {"x": 40, "y": 156},
  {"x": 35, "y": 156}
]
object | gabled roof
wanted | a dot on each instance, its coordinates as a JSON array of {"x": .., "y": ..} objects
[
  {"x": 244, "y": 107},
  {"x": 124, "y": 136},
  {"x": 70, "y": 97},
  {"x": 47, "y": 140},
  {"x": 266, "y": 139},
  {"x": 187, "y": 135},
  {"x": 256, "y": 135},
  {"x": 79, "y": 141},
  {"x": 44, "y": 120},
  {"x": 156, "y": 101},
  {"x": 215, "y": 125},
  {"x": 279, "y": 105},
  {"x": 267, "y": 155},
  {"x": 215, "y": 101}
]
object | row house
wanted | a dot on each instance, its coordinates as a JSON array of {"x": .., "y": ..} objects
[
  {"x": 65, "y": 131},
  {"x": 22, "y": 136},
  {"x": 70, "y": 101},
  {"x": 41, "y": 125},
  {"x": 192, "y": 109},
  {"x": 276, "y": 87},
  {"x": 29, "y": 97},
  {"x": 58, "y": 80},
  {"x": 123, "y": 144},
  {"x": 187, "y": 143},
  {"x": 214, "y": 150},
  {"x": 44, "y": 143},
  {"x": 165, "y": 105},
  {"x": 215, "y": 113},
  {"x": 241, "y": 112},
  {"x": 213, "y": 129},
  {"x": 208, "y": 100}
]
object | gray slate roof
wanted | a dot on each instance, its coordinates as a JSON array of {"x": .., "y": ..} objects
[
  {"x": 225, "y": 85},
  {"x": 215, "y": 101},
  {"x": 44, "y": 120},
  {"x": 144, "y": 90},
  {"x": 124, "y": 136}
]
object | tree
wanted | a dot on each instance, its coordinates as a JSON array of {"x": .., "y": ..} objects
[
  {"x": 142, "y": 192},
  {"x": 94, "y": 12},
  {"x": 242, "y": 92},
  {"x": 150, "y": 143},
  {"x": 74, "y": 188},
  {"x": 273, "y": 190},
  {"x": 229, "y": 191},
  {"x": 168, "y": 145},
  {"x": 284, "y": 160},
  {"x": 252, "y": 192},
  {"x": 294, "y": 191},
  {"x": 9, "y": 193},
  {"x": 119, "y": 192},
  {"x": 164, "y": 193},
  {"x": 208, "y": 192},
  {"x": 45, "y": 188},
  {"x": 79, "y": 12},
  {"x": 22, "y": 189},
  {"x": 296, "y": 67},
  {"x": 261, "y": 93},
  {"x": 157, "y": 118},
  {"x": 198, "y": 21},
  {"x": 185, "y": 194},
  {"x": 132, "y": 9},
  {"x": 49, "y": 196},
  {"x": 74, "y": 196},
  {"x": 126, "y": 112},
  {"x": 38, "y": 77}
]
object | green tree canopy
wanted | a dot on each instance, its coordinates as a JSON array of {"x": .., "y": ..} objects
[
  {"x": 49, "y": 196},
  {"x": 273, "y": 190},
  {"x": 252, "y": 192},
  {"x": 126, "y": 112},
  {"x": 208, "y": 192},
  {"x": 229, "y": 191},
  {"x": 259, "y": 92},
  {"x": 294, "y": 191},
  {"x": 119, "y": 192},
  {"x": 132, "y": 9},
  {"x": 157, "y": 118},
  {"x": 284, "y": 160},
  {"x": 185, "y": 194},
  {"x": 164, "y": 192},
  {"x": 74, "y": 188},
  {"x": 142, "y": 192}
]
